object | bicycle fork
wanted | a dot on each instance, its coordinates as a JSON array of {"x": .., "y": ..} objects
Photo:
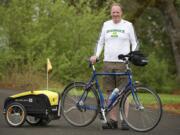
[
  {"x": 80, "y": 104},
  {"x": 139, "y": 106}
]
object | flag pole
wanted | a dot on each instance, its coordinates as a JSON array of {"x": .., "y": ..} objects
[{"x": 47, "y": 79}]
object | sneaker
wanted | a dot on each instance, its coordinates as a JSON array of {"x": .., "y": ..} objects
[
  {"x": 112, "y": 124},
  {"x": 124, "y": 125}
]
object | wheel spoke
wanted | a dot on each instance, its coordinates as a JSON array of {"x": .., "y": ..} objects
[{"x": 70, "y": 109}]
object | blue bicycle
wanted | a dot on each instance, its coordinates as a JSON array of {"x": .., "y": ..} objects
[{"x": 82, "y": 102}]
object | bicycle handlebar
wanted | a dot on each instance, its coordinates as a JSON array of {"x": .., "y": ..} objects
[
  {"x": 120, "y": 57},
  {"x": 90, "y": 63},
  {"x": 123, "y": 57}
]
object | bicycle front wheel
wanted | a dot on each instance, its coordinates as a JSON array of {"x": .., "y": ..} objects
[
  {"x": 142, "y": 110},
  {"x": 79, "y": 105}
]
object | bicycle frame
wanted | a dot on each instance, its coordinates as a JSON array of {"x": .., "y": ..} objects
[
  {"x": 103, "y": 108},
  {"x": 99, "y": 91}
]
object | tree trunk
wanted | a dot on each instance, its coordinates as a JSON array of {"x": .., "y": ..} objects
[
  {"x": 173, "y": 28},
  {"x": 169, "y": 11}
]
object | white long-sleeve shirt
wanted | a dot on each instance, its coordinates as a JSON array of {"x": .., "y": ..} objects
[{"x": 116, "y": 39}]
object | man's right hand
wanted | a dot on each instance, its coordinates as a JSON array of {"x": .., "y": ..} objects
[{"x": 93, "y": 59}]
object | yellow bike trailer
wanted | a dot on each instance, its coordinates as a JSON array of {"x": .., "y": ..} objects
[{"x": 37, "y": 107}]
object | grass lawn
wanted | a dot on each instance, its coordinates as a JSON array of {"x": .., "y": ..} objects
[
  {"x": 170, "y": 99},
  {"x": 170, "y": 102}
]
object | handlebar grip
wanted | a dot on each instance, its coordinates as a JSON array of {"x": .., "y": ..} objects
[
  {"x": 90, "y": 63},
  {"x": 121, "y": 56}
]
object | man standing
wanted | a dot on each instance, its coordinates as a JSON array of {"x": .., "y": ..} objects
[{"x": 117, "y": 37}]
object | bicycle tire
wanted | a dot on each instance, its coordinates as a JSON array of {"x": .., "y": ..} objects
[
  {"x": 141, "y": 118},
  {"x": 16, "y": 114},
  {"x": 76, "y": 115}
]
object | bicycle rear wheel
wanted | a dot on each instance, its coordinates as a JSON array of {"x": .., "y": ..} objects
[
  {"x": 79, "y": 105},
  {"x": 143, "y": 110}
]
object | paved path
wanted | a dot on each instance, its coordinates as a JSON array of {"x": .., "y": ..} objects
[{"x": 169, "y": 125}]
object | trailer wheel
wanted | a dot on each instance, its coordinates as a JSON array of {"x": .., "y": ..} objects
[
  {"x": 15, "y": 114},
  {"x": 32, "y": 120}
]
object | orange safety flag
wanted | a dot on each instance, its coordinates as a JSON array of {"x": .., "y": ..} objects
[{"x": 49, "y": 66}]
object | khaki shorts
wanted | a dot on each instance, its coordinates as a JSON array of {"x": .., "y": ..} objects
[{"x": 111, "y": 82}]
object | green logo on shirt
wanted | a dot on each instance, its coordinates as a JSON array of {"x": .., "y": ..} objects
[{"x": 114, "y": 32}]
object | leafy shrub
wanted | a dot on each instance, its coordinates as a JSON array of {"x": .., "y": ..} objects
[{"x": 156, "y": 74}]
